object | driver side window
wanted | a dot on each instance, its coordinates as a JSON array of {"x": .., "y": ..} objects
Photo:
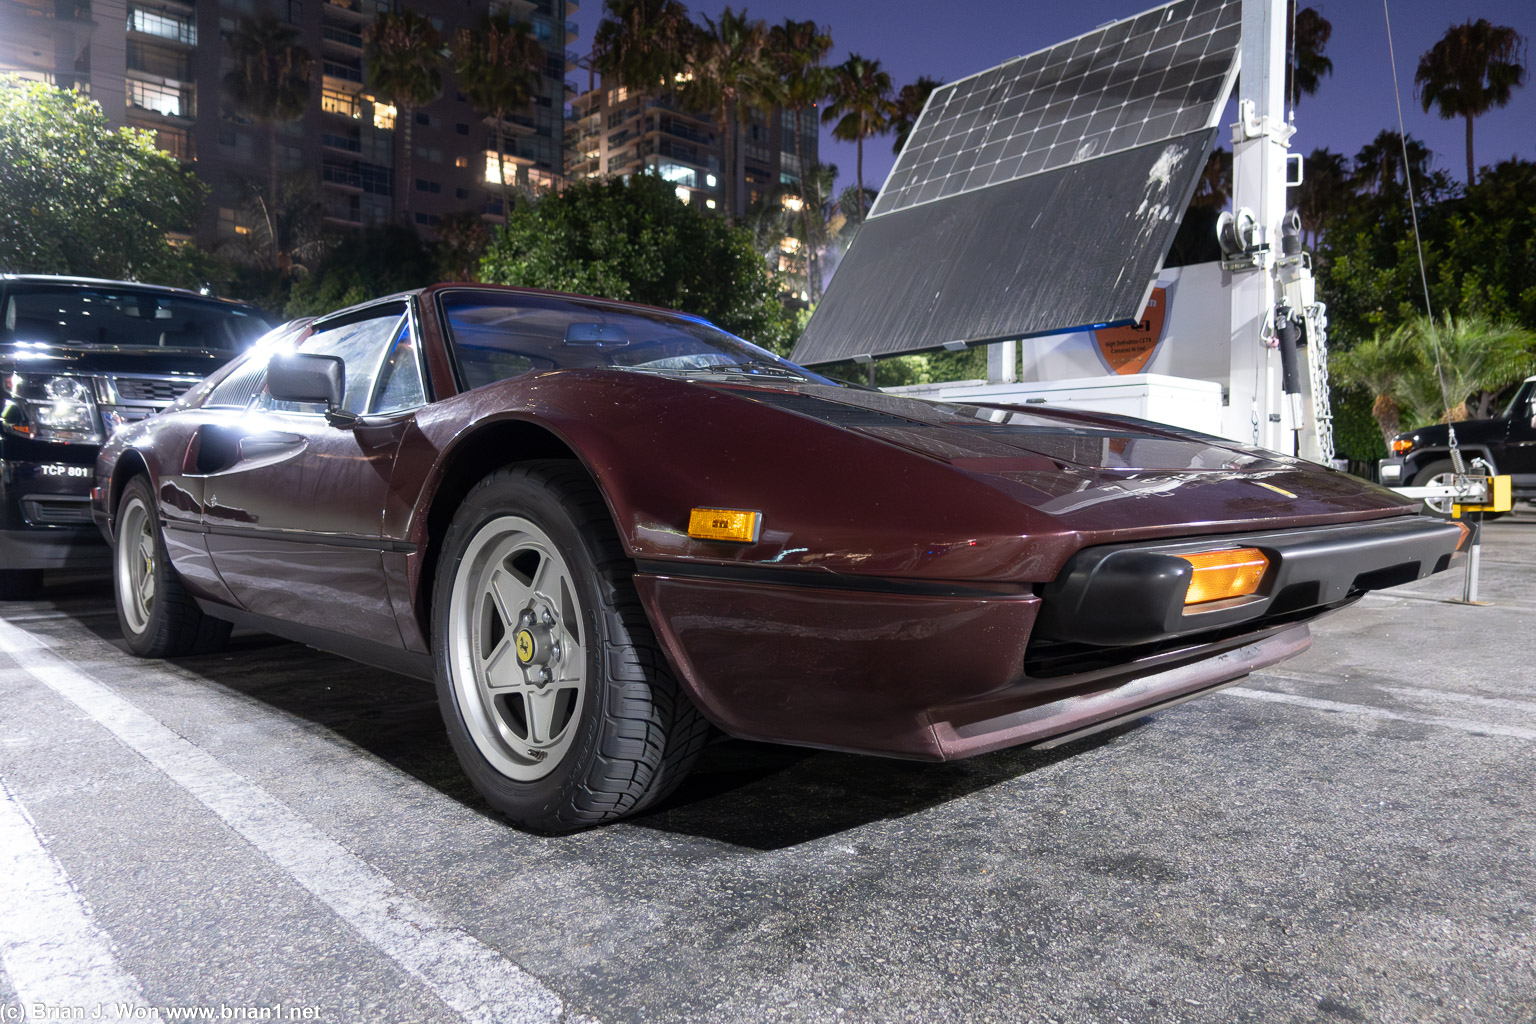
[{"x": 362, "y": 345}]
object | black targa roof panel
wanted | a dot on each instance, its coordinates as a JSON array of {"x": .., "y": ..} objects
[{"x": 1041, "y": 195}]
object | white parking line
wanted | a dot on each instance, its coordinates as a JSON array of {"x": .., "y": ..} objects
[
  {"x": 1523, "y": 707},
  {"x": 1317, "y": 704},
  {"x": 53, "y": 954},
  {"x": 477, "y": 982}
]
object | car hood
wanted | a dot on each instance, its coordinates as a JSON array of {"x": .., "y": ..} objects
[
  {"x": 1085, "y": 469},
  {"x": 44, "y": 358}
]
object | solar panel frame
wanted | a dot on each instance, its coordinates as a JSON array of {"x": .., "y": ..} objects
[{"x": 1174, "y": 64}]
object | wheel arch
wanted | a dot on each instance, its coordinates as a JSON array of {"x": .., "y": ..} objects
[
  {"x": 1427, "y": 457},
  {"x": 131, "y": 464},
  {"x": 472, "y": 457}
]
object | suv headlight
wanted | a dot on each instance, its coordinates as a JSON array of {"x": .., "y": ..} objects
[{"x": 51, "y": 408}]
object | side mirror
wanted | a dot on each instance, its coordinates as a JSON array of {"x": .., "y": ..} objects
[{"x": 305, "y": 377}]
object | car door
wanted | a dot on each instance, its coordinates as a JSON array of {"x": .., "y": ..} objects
[
  {"x": 293, "y": 502},
  {"x": 1520, "y": 444}
]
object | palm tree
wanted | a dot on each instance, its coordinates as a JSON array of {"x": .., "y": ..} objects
[
  {"x": 403, "y": 53},
  {"x": 1377, "y": 366},
  {"x": 1214, "y": 189},
  {"x": 731, "y": 75},
  {"x": 1323, "y": 195},
  {"x": 644, "y": 44},
  {"x": 795, "y": 50},
  {"x": 497, "y": 62},
  {"x": 815, "y": 228},
  {"x": 1311, "y": 32},
  {"x": 1379, "y": 164},
  {"x": 269, "y": 83},
  {"x": 1477, "y": 358},
  {"x": 859, "y": 108},
  {"x": 908, "y": 106},
  {"x": 1472, "y": 69}
]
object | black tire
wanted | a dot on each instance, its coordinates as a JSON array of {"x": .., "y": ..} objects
[
  {"x": 1425, "y": 476},
  {"x": 631, "y": 735},
  {"x": 20, "y": 584},
  {"x": 169, "y": 623}
]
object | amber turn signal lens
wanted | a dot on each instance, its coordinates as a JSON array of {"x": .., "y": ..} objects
[
  {"x": 1219, "y": 575},
  {"x": 724, "y": 524},
  {"x": 1401, "y": 445}
]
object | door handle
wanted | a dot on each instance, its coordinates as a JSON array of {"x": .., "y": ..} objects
[{"x": 259, "y": 446}]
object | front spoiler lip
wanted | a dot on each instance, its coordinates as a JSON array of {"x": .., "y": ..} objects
[
  {"x": 1082, "y": 714},
  {"x": 1126, "y": 594}
]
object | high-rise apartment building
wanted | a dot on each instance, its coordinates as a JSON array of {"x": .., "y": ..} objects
[
  {"x": 620, "y": 131},
  {"x": 159, "y": 64}
]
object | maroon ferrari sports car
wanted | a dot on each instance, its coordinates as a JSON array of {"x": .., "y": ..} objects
[{"x": 605, "y": 529}]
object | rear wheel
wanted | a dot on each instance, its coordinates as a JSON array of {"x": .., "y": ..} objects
[
  {"x": 158, "y": 617},
  {"x": 556, "y": 696}
]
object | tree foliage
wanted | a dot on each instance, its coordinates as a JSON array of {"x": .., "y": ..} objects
[
  {"x": 82, "y": 198},
  {"x": 1430, "y": 371},
  {"x": 633, "y": 240},
  {"x": 362, "y": 265}
]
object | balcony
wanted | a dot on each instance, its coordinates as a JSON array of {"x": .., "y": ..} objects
[
  {"x": 341, "y": 176},
  {"x": 342, "y": 72},
  {"x": 342, "y": 36},
  {"x": 162, "y": 25},
  {"x": 350, "y": 6}
]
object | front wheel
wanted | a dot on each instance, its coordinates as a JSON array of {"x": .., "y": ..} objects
[
  {"x": 556, "y": 696},
  {"x": 159, "y": 619}
]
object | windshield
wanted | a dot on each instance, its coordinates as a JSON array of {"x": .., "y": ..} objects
[
  {"x": 497, "y": 335},
  {"x": 65, "y": 314},
  {"x": 1517, "y": 405}
]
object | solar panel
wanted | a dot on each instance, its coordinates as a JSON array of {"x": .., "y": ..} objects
[{"x": 1096, "y": 114}]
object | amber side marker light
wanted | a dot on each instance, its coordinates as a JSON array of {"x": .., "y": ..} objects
[
  {"x": 724, "y": 524},
  {"x": 1401, "y": 445},
  {"x": 1219, "y": 575}
]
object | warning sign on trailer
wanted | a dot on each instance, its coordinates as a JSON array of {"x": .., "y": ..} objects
[{"x": 1129, "y": 349}]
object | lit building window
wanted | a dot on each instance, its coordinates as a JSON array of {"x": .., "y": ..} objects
[
  {"x": 683, "y": 194},
  {"x": 709, "y": 179},
  {"x": 678, "y": 174},
  {"x": 461, "y": 161},
  {"x": 334, "y": 101},
  {"x": 159, "y": 98},
  {"x": 794, "y": 204},
  {"x": 384, "y": 116},
  {"x": 508, "y": 175},
  {"x": 710, "y": 203},
  {"x": 790, "y": 244}
]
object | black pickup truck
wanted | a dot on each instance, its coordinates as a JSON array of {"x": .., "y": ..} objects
[
  {"x": 79, "y": 358},
  {"x": 1506, "y": 442}
]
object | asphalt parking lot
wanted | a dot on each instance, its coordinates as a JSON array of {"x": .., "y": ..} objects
[{"x": 274, "y": 833}]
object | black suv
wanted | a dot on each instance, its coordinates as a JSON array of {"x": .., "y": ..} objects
[
  {"x": 78, "y": 359},
  {"x": 1507, "y": 443}
]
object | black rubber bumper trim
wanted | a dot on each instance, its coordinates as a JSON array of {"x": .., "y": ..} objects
[
  {"x": 1124, "y": 594},
  {"x": 830, "y": 581}
]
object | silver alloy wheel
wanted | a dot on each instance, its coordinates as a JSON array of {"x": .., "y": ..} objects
[
  {"x": 136, "y": 564},
  {"x": 516, "y": 658}
]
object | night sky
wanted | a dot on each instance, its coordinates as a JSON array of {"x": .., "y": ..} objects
[{"x": 952, "y": 40}]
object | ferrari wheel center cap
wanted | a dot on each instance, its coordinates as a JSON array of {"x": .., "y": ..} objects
[{"x": 535, "y": 645}]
